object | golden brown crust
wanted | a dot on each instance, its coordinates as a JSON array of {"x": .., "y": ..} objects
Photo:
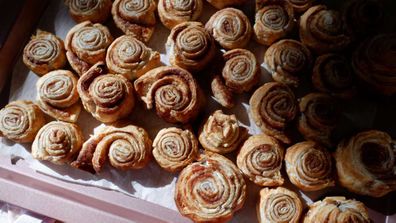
[
  {"x": 210, "y": 190},
  {"x": 174, "y": 148},
  {"x": 337, "y": 210},
  {"x": 86, "y": 44},
  {"x": 220, "y": 4},
  {"x": 222, "y": 94},
  {"x": 318, "y": 117},
  {"x": 309, "y": 166},
  {"x": 125, "y": 146},
  {"x": 322, "y": 30},
  {"x": 221, "y": 133},
  {"x": 286, "y": 60},
  {"x": 272, "y": 107},
  {"x": 230, "y": 28},
  {"x": 190, "y": 46},
  {"x": 57, "y": 95},
  {"x": 20, "y": 121},
  {"x": 57, "y": 142},
  {"x": 130, "y": 57},
  {"x": 108, "y": 97},
  {"x": 173, "y": 92},
  {"x": 44, "y": 52},
  {"x": 373, "y": 63},
  {"x": 273, "y": 22},
  {"x": 279, "y": 205},
  {"x": 135, "y": 18},
  {"x": 260, "y": 159},
  {"x": 174, "y": 12},
  {"x": 300, "y": 6},
  {"x": 366, "y": 163},
  {"x": 96, "y": 11},
  {"x": 332, "y": 74}
]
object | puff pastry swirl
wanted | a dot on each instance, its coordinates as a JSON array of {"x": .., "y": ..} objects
[
  {"x": 57, "y": 142},
  {"x": 175, "y": 148},
  {"x": 272, "y": 107},
  {"x": 173, "y": 92},
  {"x": 210, "y": 190},
  {"x": 309, "y": 166},
  {"x": 278, "y": 205},
  {"x": 108, "y": 97},
  {"x": 130, "y": 57},
  {"x": 260, "y": 159},
  {"x": 221, "y": 133},
  {"x": 230, "y": 28},
  {"x": 366, "y": 163},
  {"x": 20, "y": 121},
  {"x": 44, "y": 52},
  {"x": 57, "y": 95},
  {"x": 86, "y": 44},
  {"x": 89, "y": 10},
  {"x": 173, "y": 12},
  {"x": 125, "y": 146},
  {"x": 337, "y": 210}
]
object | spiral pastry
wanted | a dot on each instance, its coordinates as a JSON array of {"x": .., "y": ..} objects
[
  {"x": 173, "y": 91},
  {"x": 125, "y": 146},
  {"x": 86, "y": 44},
  {"x": 96, "y": 11},
  {"x": 220, "y": 4},
  {"x": 322, "y": 30},
  {"x": 135, "y": 17},
  {"x": 332, "y": 74},
  {"x": 279, "y": 205},
  {"x": 20, "y": 121},
  {"x": 190, "y": 46},
  {"x": 300, "y": 6},
  {"x": 366, "y": 163},
  {"x": 373, "y": 63},
  {"x": 44, "y": 52},
  {"x": 57, "y": 142},
  {"x": 108, "y": 97},
  {"x": 174, "y": 148},
  {"x": 309, "y": 166},
  {"x": 363, "y": 17},
  {"x": 221, "y": 93},
  {"x": 130, "y": 57},
  {"x": 241, "y": 70},
  {"x": 173, "y": 12},
  {"x": 273, "y": 22},
  {"x": 286, "y": 60},
  {"x": 221, "y": 133},
  {"x": 210, "y": 190},
  {"x": 260, "y": 159},
  {"x": 272, "y": 107},
  {"x": 57, "y": 95},
  {"x": 337, "y": 210},
  {"x": 230, "y": 28},
  {"x": 318, "y": 117}
]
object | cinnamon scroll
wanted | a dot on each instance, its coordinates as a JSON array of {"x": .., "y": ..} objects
[
  {"x": 20, "y": 121},
  {"x": 108, "y": 97},
  {"x": 230, "y": 28},
  {"x": 210, "y": 190},
  {"x": 190, "y": 46},
  {"x": 174, "y": 12},
  {"x": 174, "y": 148},
  {"x": 309, "y": 166},
  {"x": 260, "y": 159},
  {"x": 44, "y": 52},
  {"x": 86, "y": 44},
  {"x": 135, "y": 17},
  {"x": 57, "y": 95},
  {"x": 124, "y": 146},
  {"x": 221, "y": 133},
  {"x": 272, "y": 107},
  {"x": 89, "y": 10},
  {"x": 57, "y": 142},
  {"x": 366, "y": 163},
  {"x": 172, "y": 91},
  {"x": 130, "y": 57}
]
